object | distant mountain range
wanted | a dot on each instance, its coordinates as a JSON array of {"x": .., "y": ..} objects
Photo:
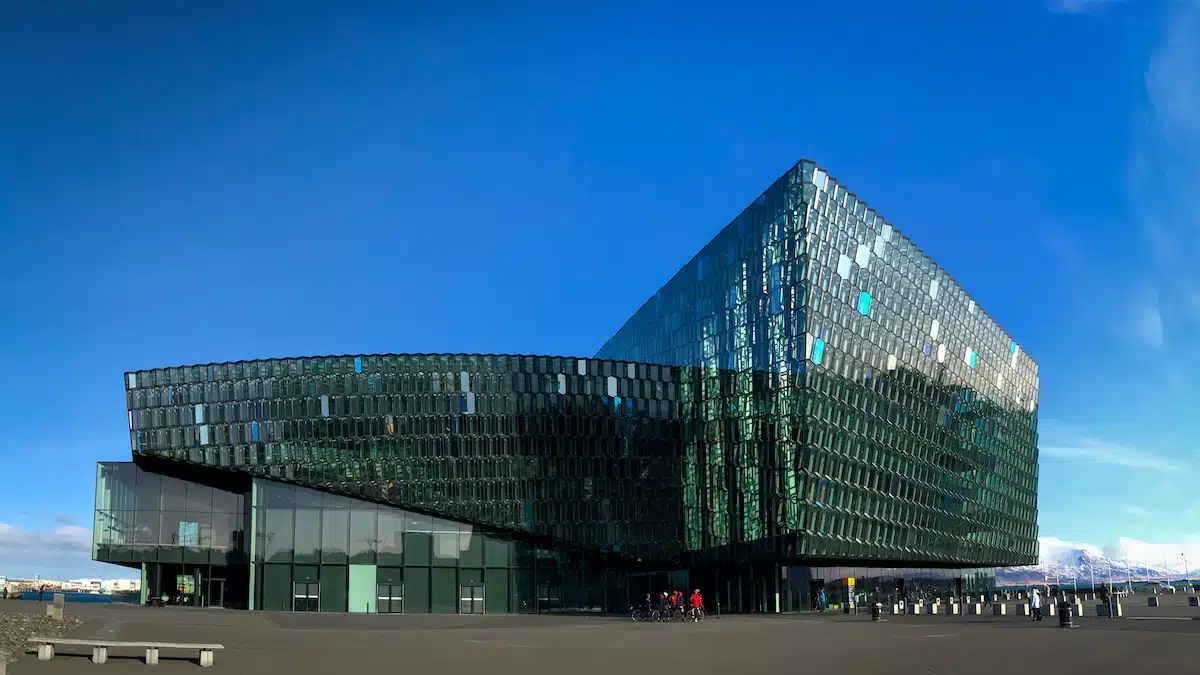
[{"x": 1081, "y": 566}]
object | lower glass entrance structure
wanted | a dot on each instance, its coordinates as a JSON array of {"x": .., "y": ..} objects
[{"x": 242, "y": 542}]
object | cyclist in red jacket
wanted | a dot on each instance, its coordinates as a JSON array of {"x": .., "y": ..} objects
[{"x": 697, "y": 602}]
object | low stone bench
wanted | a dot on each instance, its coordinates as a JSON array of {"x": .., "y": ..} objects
[
  {"x": 1194, "y": 601},
  {"x": 975, "y": 608},
  {"x": 1152, "y": 601},
  {"x": 1113, "y": 612},
  {"x": 999, "y": 609},
  {"x": 100, "y": 649}
]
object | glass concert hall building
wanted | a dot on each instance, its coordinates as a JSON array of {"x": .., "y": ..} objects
[{"x": 810, "y": 403}]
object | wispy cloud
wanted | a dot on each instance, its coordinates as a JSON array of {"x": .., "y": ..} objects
[
  {"x": 63, "y": 518},
  {"x": 1164, "y": 172},
  {"x": 1079, "y": 6},
  {"x": 1084, "y": 449},
  {"x": 1138, "y": 511},
  {"x": 1146, "y": 319}
]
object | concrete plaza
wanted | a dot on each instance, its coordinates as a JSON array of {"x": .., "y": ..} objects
[{"x": 261, "y": 642}]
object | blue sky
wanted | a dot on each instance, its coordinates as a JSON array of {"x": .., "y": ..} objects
[{"x": 181, "y": 186}]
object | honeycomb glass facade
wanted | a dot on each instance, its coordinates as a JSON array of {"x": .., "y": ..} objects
[
  {"x": 843, "y": 397},
  {"x": 808, "y": 402}
]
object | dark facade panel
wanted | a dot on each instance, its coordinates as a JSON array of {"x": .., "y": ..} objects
[
  {"x": 843, "y": 397},
  {"x": 582, "y": 451}
]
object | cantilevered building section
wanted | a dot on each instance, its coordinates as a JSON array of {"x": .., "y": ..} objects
[
  {"x": 810, "y": 403},
  {"x": 844, "y": 399}
]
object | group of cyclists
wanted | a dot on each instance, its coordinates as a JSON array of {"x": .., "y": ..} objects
[{"x": 671, "y": 606}]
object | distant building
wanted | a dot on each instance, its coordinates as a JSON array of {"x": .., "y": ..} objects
[{"x": 810, "y": 404}]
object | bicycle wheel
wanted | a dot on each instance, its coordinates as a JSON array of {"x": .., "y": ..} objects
[
  {"x": 637, "y": 615},
  {"x": 700, "y": 614},
  {"x": 679, "y": 616}
]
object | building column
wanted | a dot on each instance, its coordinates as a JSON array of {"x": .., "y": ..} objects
[{"x": 253, "y": 541}]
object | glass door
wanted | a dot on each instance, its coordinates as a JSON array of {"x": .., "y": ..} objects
[
  {"x": 216, "y": 593},
  {"x": 549, "y": 598},
  {"x": 390, "y": 599},
  {"x": 470, "y": 599},
  {"x": 306, "y": 596}
]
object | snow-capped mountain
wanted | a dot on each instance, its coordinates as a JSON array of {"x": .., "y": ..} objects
[{"x": 1083, "y": 564}]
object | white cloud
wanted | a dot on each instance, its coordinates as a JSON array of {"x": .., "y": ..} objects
[
  {"x": 1095, "y": 451},
  {"x": 1138, "y": 511},
  {"x": 1164, "y": 170},
  {"x": 64, "y": 538},
  {"x": 1079, "y": 6},
  {"x": 1164, "y": 557},
  {"x": 64, "y": 551}
]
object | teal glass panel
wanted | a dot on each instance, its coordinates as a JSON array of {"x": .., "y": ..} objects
[{"x": 864, "y": 303}]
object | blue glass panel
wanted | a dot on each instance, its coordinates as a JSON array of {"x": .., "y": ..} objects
[
  {"x": 864, "y": 303},
  {"x": 973, "y": 357},
  {"x": 358, "y": 364},
  {"x": 1012, "y": 347},
  {"x": 254, "y": 431},
  {"x": 818, "y": 351},
  {"x": 927, "y": 349}
]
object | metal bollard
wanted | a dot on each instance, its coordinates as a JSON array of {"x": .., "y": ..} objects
[
  {"x": 877, "y": 611},
  {"x": 1064, "y": 615}
]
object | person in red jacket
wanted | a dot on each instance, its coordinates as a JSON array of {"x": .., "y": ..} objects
[{"x": 697, "y": 602}]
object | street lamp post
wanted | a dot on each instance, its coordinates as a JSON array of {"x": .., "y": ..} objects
[{"x": 1187, "y": 582}]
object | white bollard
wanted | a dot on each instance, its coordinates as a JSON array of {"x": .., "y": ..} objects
[{"x": 999, "y": 609}]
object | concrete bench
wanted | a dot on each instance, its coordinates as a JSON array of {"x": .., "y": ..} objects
[
  {"x": 1152, "y": 601},
  {"x": 100, "y": 649}
]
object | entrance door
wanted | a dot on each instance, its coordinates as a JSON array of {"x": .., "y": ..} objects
[
  {"x": 958, "y": 587},
  {"x": 390, "y": 599},
  {"x": 814, "y": 593},
  {"x": 216, "y": 593},
  {"x": 549, "y": 598},
  {"x": 306, "y": 596},
  {"x": 470, "y": 599}
]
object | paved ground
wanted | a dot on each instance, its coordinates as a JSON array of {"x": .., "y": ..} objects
[{"x": 262, "y": 643}]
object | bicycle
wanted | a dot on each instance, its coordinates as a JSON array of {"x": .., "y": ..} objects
[
  {"x": 697, "y": 614},
  {"x": 638, "y": 614}
]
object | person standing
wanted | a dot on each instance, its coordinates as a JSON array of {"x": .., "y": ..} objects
[{"x": 1035, "y": 605}]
